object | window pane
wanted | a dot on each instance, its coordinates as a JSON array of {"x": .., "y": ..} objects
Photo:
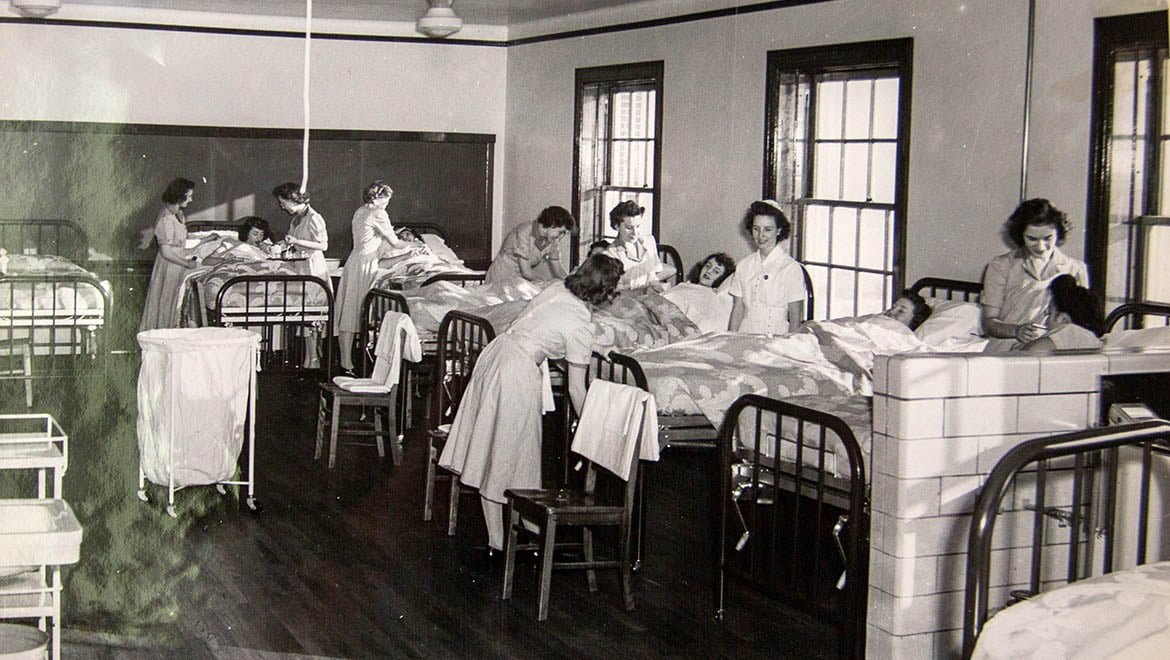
[
  {"x": 871, "y": 243},
  {"x": 856, "y": 181},
  {"x": 885, "y": 108},
  {"x": 829, "y": 109},
  {"x": 883, "y": 172},
  {"x": 816, "y": 234},
  {"x": 871, "y": 293},
  {"x": 820, "y": 279},
  {"x": 843, "y": 241},
  {"x": 1123, "y": 98},
  {"x": 841, "y": 291},
  {"x": 637, "y": 164},
  {"x": 827, "y": 175},
  {"x": 857, "y": 109}
]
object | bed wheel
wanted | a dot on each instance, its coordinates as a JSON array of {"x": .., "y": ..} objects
[
  {"x": 171, "y": 511},
  {"x": 254, "y": 505},
  {"x": 142, "y": 495}
]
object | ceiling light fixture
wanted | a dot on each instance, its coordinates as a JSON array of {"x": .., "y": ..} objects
[
  {"x": 440, "y": 20},
  {"x": 35, "y": 8}
]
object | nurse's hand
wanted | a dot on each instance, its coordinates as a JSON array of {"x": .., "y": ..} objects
[{"x": 1026, "y": 332}]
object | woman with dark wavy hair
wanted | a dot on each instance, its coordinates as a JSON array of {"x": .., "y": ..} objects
[
  {"x": 494, "y": 443},
  {"x": 768, "y": 285},
  {"x": 1015, "y": 285},
  {"x": 1075, "y": 318}
]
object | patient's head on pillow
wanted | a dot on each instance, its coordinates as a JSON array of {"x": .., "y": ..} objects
[
  {"x": 1073, "y": 303},
  {"x": 407, "y": 234},
  {"x": 254, "y": 230},
  {"x": 713, "y": 270},
  {"x": 595, "y": 280},
  {"x": 598, "y": 246},
  {"x": 910, "y": 308}
]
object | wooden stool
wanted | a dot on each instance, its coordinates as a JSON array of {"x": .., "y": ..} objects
[{"x": 330, "y": 415}]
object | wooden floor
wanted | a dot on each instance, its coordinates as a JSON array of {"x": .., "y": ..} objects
[{"x": 340, "y": 563}]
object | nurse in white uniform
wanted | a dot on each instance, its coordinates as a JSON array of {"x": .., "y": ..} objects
[{"x": 768, "y": 286}]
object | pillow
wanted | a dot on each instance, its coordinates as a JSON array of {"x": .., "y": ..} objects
[
  {"x": 950, "y": 319},
  {"x": 440, "y": 249},
  {"x": 1144, "y": 338}
]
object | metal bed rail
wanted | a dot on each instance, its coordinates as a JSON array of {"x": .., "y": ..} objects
[
  {"x": 282, "y": 316},
  {"x": 45, "y": 323},
  {"x": 1132, "y": 316},
  {"x": 1077, "y": 482},
  {"x": 792, "y": 528},
  {"x": 55, "y": 236},
  {"x": 941, "y": 287}
]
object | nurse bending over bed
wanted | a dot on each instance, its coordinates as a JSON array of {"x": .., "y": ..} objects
[
  {"x": 768, "y": 286},
  {"x": 495, "y": 438}
]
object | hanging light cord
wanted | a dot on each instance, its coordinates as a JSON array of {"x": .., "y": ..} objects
[{"x": 305, "y": 96}]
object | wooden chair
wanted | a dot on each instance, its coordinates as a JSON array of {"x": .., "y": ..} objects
[
  {"x": 462, "y": 337},
  {"x": 549, "y": 509},
  {"x": 375, "y": 305},
  {"x": 669, "y": 256},
  {"x": 333, "y": 401}
]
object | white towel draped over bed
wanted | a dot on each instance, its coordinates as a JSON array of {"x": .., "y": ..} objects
[
  {"x": 608, "y": 429},
  {"x": 397, "y": 341}
]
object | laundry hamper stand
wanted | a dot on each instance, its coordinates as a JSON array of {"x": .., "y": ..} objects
[{"x": 196, "y": 409}]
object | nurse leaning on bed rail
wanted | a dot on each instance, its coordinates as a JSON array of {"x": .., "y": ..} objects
[{"x": 1015, "y": 284}]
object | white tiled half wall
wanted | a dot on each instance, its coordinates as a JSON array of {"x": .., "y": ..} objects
[{"x": 940, "y": 424}]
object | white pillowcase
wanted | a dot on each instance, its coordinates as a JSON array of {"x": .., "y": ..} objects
[{"x": 950, "y": 320}]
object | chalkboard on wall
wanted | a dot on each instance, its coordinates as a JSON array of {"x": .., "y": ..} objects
[{"x": 108, "y": 178}]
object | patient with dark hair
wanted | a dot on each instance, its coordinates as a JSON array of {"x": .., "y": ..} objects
[{"x": 1075, "y": 318}]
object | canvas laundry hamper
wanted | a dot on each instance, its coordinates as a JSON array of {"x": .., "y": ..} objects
[{"x": 196, "y": 407}]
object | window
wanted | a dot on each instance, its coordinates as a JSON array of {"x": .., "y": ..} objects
[
  {"x": 1128, "y": 232},
  {"x": 835, "y": 158},
  {"x": 617, "y": 150}
]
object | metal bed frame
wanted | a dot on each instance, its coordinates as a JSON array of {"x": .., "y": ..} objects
[
  {"x": 1088, "y": 510},
  {"x": 1137, "y": 315},
  {"x": 278, "y": 351},
  {"x": 39, "y": 343},
  {"x": 772, "y": 543},
  {"x": 667, "y": 254}
]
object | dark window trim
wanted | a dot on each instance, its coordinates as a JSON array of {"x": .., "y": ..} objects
[
  {"x": 1110, "y": 34},
  {"x": 617, "y": 73},
  {"x": 241, "y": 132},
  {"x": 885, "y": 54}
]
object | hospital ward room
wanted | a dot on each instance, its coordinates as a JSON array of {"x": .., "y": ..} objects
[{"x": 633, "y": 328}]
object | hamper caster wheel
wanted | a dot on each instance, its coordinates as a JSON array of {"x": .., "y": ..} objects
[
  {"x": 142, "y": 495},
  {"x": 171, "y": 511},
  {"x": 254, "y": 505}
]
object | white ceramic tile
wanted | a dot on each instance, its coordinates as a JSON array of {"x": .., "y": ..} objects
[
  {"x": 1079, "y": 372},
  {"x": 878, "y": 524},
  {"x": 912, "y": 576},
  {"x": 989, "y": 415},
  {"x": 878, "y": 642},
  {"x": 913, "y": 647},
  {"x": 879, "y": 413},
  {"x": 1096, "y": 415},
  {"x": 993, "y": 447},
  {"x": 906, "y": 498},
  {"x": 914, "y": 419},
  {"x": 915, "y": 615},
  {"x": 924, "y": 376},
  {"x": 948, "y": 643},
  {"x": 934, "y": 457},
  {"x": 881, "y": 365},
  {"x": 881, "y": 455},
  {"x": 880, "y": 611},
  {"x": 952, "y": 571},
  {"x": 927, "y": 537},
  {"x": 989, "y": 375},
  {"x": 957, "y": 495},
  {"x": 1138, "y": 362},
  {"x": 1053, "y": 413}
]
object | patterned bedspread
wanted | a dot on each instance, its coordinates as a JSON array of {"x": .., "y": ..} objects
[
  {"x": 411, "y": 270},
  {"x": 211, "y": 279},
  {"x": 1125, "y": 614},
  {"x": 430, "y": 303},
  {"x": 51, "y": 297}
]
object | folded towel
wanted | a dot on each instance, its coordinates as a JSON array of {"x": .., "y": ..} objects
[
  {"x": 548, "y": 403},
  {"x": 361, "y": 385},
  {"x": 608, "y": 430},
  {"x": 397, "y": 340}
]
